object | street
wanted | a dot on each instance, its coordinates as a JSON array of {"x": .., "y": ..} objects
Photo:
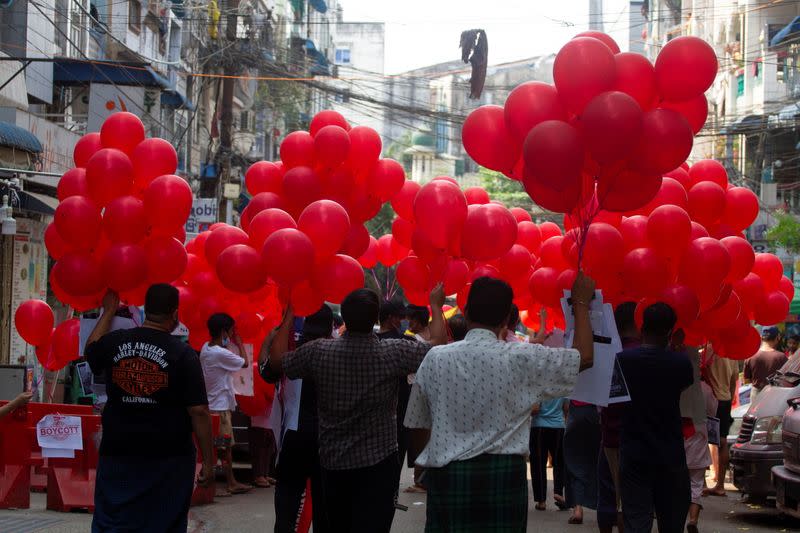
[{"x": 254, "y": 513}]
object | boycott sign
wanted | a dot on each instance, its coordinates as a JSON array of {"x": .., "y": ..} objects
[{"x": 60, "y": 432}]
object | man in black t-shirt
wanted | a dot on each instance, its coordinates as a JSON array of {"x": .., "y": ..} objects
[
  {"x": 653, "y": 472},
  {"x": 156, "y": 398}
]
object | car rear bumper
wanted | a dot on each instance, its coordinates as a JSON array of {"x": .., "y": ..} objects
[{"x": 787, "y": 490}]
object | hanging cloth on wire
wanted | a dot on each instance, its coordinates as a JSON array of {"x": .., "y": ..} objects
[{"x": 475, "y": 50}]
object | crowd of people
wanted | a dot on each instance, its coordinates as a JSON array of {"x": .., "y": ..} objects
[{"x": 467, "y": 402}]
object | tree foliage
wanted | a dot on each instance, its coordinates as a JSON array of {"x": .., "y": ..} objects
[
  {"x": 506, "y": 190},
  {"x": 786, "y": 233}
]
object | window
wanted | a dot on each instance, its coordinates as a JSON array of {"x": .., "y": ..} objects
[
  {"x": 135, "y": 15},
  {"x": 342, "y": 56},
  {"x": 244, "y": 121}
]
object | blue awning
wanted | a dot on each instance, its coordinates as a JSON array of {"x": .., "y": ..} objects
[
  {"x": 321, "y": 65},
  {"x": 178, "y": 100},
  {"x": 792, "y": 28},
  {"x": 319, "y": 5},
  {"x": 789, "y": 112},
  {"x": 13, "y": 136},
  {"x": 79, "y": 72}
]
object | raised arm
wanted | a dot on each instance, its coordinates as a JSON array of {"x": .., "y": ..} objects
[
  {"x": 541, "y": 335},
  {"x": 22, "y": 399},
  {"x": 437, "y": 326},
  {"x": 103, "y": 325},
  {"x": 582, "y": 293},
  {"x": 278, "y": 343}
]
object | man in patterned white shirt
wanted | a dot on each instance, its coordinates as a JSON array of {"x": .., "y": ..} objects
[{"x": 475, "y": 397}]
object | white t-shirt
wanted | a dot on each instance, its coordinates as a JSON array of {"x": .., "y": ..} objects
[
  {"x": 219, "y": 364},
  {"x": 476, "y": 395}
]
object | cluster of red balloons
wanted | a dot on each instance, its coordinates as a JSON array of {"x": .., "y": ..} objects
[
  {"x": 55, "y": 347},
  {"x": 120, "y": 219},
  {"x": 612, "y": 123}
]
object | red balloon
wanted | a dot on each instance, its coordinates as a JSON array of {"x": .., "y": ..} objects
[
  {"x": 670, "y": 193},
  {"x": 413, "y": 274},
  {"x": 741, "y": 208},
  {"x": 387, "y": 179},
  {"x": 742, "y": 257},
  {"x": 476, "y": 196},
  {"x": 645, "y": 272},
  {"x": 123, "y": 131},
  {"x": 521, "y": 215},
  {"x": 261, "y": 202},
  {"x": 55, "y": 244},
  {"x": 220, "y": 239},
  {"x": 515, "y": 262},
  {"x": 709, "y": 170},
  {"x": 611, "y": 111},
  {"x": 744, "y": 348},
  {"x": 305, "y": 299},
  {"x": 553, "y": 153},
  {"x": 301, "y": 187},
  {"x": 124, "y": 220},
  {"x": 529, "y": 104},
  {"x": 326, "y": 223},
  {"x": 602, "y": 37},
  {"x": 65, "y": 341},
  {"x": 72, "y": 183},
  {"x": 167, "y": 203},
  {"x": 331, "y": 146},
  {"x": 266, "y": 223},
  {"x": 627, "y": 190},
  {"x": 370, "y": 258},
  {"x": 456, "y": 276},
  {"x": 583, "y": 68},
  {"x": 240, "y": 270},
  {"x": 724, "y": 314},
  {"x": 440, "y": 210},
  {"x": 403, "y": 231},
  {"x": 786, "y": 287},
  {"x": 684, "y": 302},
  {"x": 384, "y": 251},
  {"x": 288, "y": 256},
  {"x": 78, "y": 274},
  {"x": 487, "y": 141},
  {"x": 669, "y": 229},
  {"x": 338, "y": 276},
  {"x": 403, "y": 201},
  {"x": 34, "y": 322},
  {"x": 166, "y": 259},
  {"x": 85, "y": 148},
  {"x": 681, "y": 176},
  {"x": 263, "y": 176},
  {"x": 666, "y": 141},
  {"x": 636, "y": 77},
  {"x": 297, "y": 150},
  {"x": 695, "y": 111},
  {"x": 365, "y": 147},
  {"x": 770, "y": 269},
  {"x": 685, "y": 67},
  {"x": 248, "y": 325},
  {"x": 551, "y": 253},
  {"x": 357, "y": 241},
  {"x": 549, "y": 229},
  {"x": 544, "y": 286},
  {"x": 491, "y": 230},
  {"x": 773, "y": 309},
  {"x": 152, "y": 158},
  {"x": 78, "y": 222},
  {"x": 698, "y": 230},
  {"x": 634, "y": 232},
  {"x": 705, "y": 264},
  {"x": 484, "y": 271},
  {"x": 530, "y": 236},
  {"x": 327, "y": 117},
  {"x": 603, "y": 249},
  {"x": 125, "y": 266},
  {"x": 361, "y": 206},
  {"x": 109, "y": 174}
]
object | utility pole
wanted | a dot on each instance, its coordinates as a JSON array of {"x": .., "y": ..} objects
[{"x": 226, "y": 114}]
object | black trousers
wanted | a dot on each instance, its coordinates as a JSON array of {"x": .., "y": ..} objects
[
  {"x": 544, "y": 442},
  {"x": 361, "y": 500},
  {"x": 298, "y": 463},
  {"x": 647, "y": 487}
]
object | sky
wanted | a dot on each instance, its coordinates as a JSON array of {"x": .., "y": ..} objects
[{"x": 425, "y": 32}]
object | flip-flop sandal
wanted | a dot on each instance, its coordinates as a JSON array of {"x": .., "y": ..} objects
[
  {"x": 224, "y": 494},
  {"x": 415, "y": 489},
  {"x": 562, "y": 505},
  {"x": 262, "y": 484},
  {"x": 240, "y": 490},
  {"x": 576, "y": 521},
  {"x": 541, "y": 507}
]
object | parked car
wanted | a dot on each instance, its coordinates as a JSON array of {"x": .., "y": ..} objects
[
  {"x": 786, "y": 477},
  {"x": 759, "y": 446},
  {"x": 737, "y": 414}
]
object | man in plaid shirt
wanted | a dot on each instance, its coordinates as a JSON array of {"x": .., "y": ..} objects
[{"x": 356, "y": 377}]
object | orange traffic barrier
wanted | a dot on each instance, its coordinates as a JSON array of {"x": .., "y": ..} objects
[
  {"x": 15, "y": 470},
  {"x": 70, "y": 482}
]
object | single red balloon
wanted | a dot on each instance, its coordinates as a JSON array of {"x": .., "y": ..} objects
[
  {"x": 124, "y": 220},
  {"x": 387, "y": 179},
  {"x": 544, "y": 286},
  {"x": 770, "y": 269},
  {"x": 515, "y": 262},
  {"x": 611, "y": 111},
  {"x": 403, "y": 201},
  {"x": 529, "y": 104},
  {"x": 79, "y": 274},
  {"x": 167, "y": 203},
  {"x": 583, "y": 68},
  {"x": 239, "y": 269},
  {"x": 645, "y": 272},
  {"x": 521, "y": 215},
  {"x": 327, "y": 117},
  {"x": 384, "y": 251},
  {"x": 709, "y": 170},
  {"x": 413, "y": 274},
  {"x": 55, "y": 244},
  {"x": 627, "y": 190},
  {"x": 773, "y": 309},
  {"x": 698, "y": 230},
  {"x": 220, "y": 239},
  {"x": 357, "y": 241},
  {"x": 65, "y": 341},
  {"x": 685, "y": 67},
  {"x": 665, "y": 143},
  {"x": 741, "y": 208},
  {"x": 456, "y": 276},
  {"x": 331, "y": 146},
  {"x": 683, "y": 301},
  {"x": 669, "y": 229},
  {"x": 491, "y": 231},
  {"x": 109, "y": 174},
  {"x": 123, "y": 131},
  {"x": 266, "y": 223},
  {"x": 72, "y": 183},
  {"x": 365, "y": 147},
  {"x": 634, "y": 232},
  {"x": 603, "y": 249},
  {"x": 636, "y": 77},
  {"x": 125, "y": 266},
  {"x": 301, "y": 187},
  {"x": 403, "y": 231},
  {"x": 530, "y": 236},
  {"x": 487, "y": 141},
  {"x": 786, "y": 287},
  {"x": 338, "y": 276},
  {"x": 77, "y": 220},
  {"x": 440, "y": 210},
  {"x": 326, "y": 223},
  {"x": 152, "y": 158},
  {"x": 602, "y": 37},
  {"x": 166, "y": 258},
  {"x": 553, "y": 153},
  {"x": 34, "y": 322},
  {"x": 706, "y": 202},
  {"x": 85, "y": 148},
  {"x": 705, "y": 264},
  {"x": 297, "y": 150},
  {"x": 695, "y": 111},
  {"x": 476, "y": 195},
  {"x": 288, "y": 256},
  {"x": 263, "y": 176},
  {"x": 370, "y": 258}
]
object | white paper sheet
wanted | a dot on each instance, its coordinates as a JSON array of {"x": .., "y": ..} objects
[
  {"x": 243, "y": 379},
  {"x": 60, "y": 432},
  {"x": 56, "y": 453}
]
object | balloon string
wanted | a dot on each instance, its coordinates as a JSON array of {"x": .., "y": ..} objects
[{"x": 586, "y": 215}]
